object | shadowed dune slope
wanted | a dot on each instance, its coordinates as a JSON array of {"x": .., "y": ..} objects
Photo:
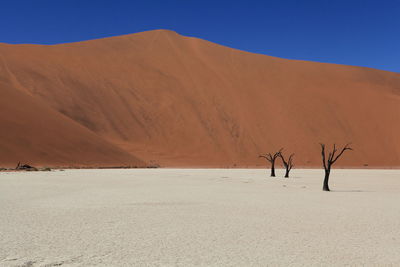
[
  {"x": 181, "y": 101},
  {"x": 35, "y": 134}
]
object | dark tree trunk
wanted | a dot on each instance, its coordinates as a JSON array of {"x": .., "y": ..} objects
[
  {"x": 287, "y": 173},
  {"x": 326, "y": 181},
  {"x": 273, "y": 170}
]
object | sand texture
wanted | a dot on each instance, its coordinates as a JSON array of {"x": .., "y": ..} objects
[
  {"x": 166, "y": 99},
  {"x": 214, "y": 217}
]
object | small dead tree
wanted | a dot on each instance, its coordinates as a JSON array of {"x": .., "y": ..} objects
[
  {"x": 328, "y": 162},
  {"x": 288, "y": 164},
  {"x": 271, "y": 158}
]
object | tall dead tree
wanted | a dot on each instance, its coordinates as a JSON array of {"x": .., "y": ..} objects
[
  {"x": 328, "y": 162},
  {"x": 271, "y": 158},
  {"x": 287, "y": 164}
]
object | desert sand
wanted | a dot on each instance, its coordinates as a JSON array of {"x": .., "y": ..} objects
[
  {"x": 208, "y": 217},
  {"x": 162, "y": 98}
]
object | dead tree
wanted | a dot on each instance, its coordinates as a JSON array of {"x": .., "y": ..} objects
[
  {"x": 271, "y": 158},
  {"x": 328, "y": 162},
  {"x": 288, "y": 164}
]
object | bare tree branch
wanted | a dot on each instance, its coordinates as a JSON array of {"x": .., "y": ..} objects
[
  {"x": 290, "y": 162},
  {"x": 267, "y": 157},
  {"x": 346, "y": 147}
]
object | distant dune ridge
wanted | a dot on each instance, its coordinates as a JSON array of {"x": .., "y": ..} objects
[{"x": 161, "y": 98}]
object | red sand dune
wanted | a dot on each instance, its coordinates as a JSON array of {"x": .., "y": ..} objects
[{"x": 186, "y": 102}]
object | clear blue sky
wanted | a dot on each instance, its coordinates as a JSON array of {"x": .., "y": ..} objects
[{"x": 353, "y": 32}]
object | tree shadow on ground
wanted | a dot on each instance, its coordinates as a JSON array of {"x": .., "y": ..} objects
[{"x": 351, "y": 191}]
